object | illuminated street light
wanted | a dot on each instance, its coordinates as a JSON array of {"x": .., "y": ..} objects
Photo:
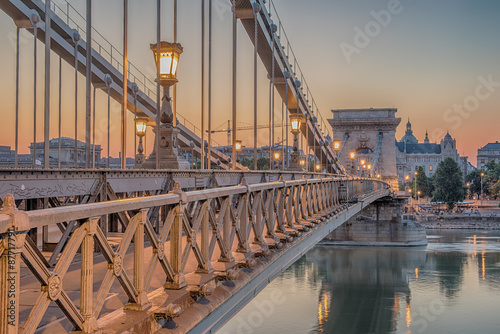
[
  {"x": 336, "y": 145},
  {"x": 295, "y": 121},
  {"x": 140, "y": 131},
  {"x": 165, "y": 154},
  {"x": 238, "y": 145},
  {"x": 169, "y": 59},
  {"x": 482, "y": 175}
]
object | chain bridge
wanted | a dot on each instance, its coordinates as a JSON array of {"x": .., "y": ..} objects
[{"x": 152, "y": 249}]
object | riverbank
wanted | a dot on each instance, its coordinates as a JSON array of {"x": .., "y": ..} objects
[{"x": 482, "y": 222}]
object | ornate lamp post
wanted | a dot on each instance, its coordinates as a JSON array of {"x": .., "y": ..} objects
[
  {"x": 238, "y": 146},
  {"x": 352, "y": 156},
  {"x": 277, "y": 157},
  {"x": 295, "y": 121},
  {"x": 168, "y": 145},
  {"x": 336, "y": 146},
  {"x": 140, "y": 131},
  {"x": 482, "y": 175},
  {"x": 302, "y": 162}
]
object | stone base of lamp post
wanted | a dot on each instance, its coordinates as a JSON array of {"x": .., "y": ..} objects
[
  {"x": 139, "y": 161},
  {"x": 295, "y": 162},
  {"x": 169, "y": 151}
]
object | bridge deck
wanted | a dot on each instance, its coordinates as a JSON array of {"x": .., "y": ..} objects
[{"x": 203, "y": 253}]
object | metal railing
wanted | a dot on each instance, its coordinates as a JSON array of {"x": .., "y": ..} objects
[{"x": 194, "y": 231}]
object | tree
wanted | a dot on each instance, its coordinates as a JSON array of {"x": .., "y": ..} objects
[
  {"x": 423, "y": 183},
  {"x": 474, "y": 181},
  {"x": 494, "y": 190},
  {"x": 448, "y": 183}
]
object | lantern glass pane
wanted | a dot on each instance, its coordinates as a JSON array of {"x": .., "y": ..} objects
[
  {"x": 141, "y": 128},
  {"x": 295, "y": 124},
  {"x": 165, "y": 63},
  {"x": 174, "y": 66}
]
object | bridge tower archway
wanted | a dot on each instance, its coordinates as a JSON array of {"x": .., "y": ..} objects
[{"x": 371, "y": 133}]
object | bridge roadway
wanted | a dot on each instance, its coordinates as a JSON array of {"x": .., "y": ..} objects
[{"x": 188, "y": 269}]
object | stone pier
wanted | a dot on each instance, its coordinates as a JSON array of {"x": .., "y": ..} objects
[{"x": 379, "y": 224}]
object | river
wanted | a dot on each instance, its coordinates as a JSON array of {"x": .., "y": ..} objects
[{"x": 450, "y": 286}]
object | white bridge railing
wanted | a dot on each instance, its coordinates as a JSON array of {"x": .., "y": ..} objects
[{"x": 198, "y": 231}]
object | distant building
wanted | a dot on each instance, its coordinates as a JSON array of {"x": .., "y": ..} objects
[
  {"x": 490, "y": 152},
  {"x": 247, "y": 152},
  {"x": 410, "y": 154},
  {"x": 7, "y": 156}
]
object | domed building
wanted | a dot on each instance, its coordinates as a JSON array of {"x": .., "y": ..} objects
[{"x": 410, "y": 154}]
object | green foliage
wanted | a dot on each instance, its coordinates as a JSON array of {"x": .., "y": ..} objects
[
  {"x": 474, "y": 180},
  {"x": 491, "y": 188},
  {"x": 262, "y": 163},
  {"x": 423, "y": 183},
  {"x": 448, "y": 183},
  {"x": 494, "y": 190}
]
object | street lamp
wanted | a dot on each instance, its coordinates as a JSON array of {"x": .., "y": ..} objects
[
  {"x": 238, "y": 146},
  {"x": 370, "y": 170},
  {"x": 415, "y": 183},
  {"x": 482, "y": 175},
  {"x": 336, "y": 146},
  {"x": 295, "y": 121},
  {"x": 352, "y": 155},
  {"x": 140, "y": 130},
  {"x": 277, "y": 157},
  {"x": 362, "y": 161},
  {"x": 318, "y": 167},
  {"x": 302, "y": 162},
  {"x": 167, "y": 59}
]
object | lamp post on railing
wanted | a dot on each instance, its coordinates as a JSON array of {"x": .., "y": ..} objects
[
  {"x": 352, "y": 156},
  {"x": 140, "y": 131},
  {"x": 238, "y": 145},
  {"x": 295, "y": 121},
  {"x": 277, "y": 157},
  {"x": 167, "y": 142}
]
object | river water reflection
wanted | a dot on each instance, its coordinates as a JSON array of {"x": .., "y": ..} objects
[{"x": 450, "y": 286}]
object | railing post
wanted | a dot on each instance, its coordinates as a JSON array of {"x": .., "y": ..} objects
[
  {"x": 244, "y": 246},
  {"x": 206, "y": 232},
  {"x": 226, "y": 231},
  {"x": 87, "y": 279},
  {"x": 176, "y": 241},
  {"x": 142, "y": 297},
  {"x": 11, "y": 246}
]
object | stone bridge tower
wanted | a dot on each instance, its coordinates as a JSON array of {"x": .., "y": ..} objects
[{"x": 371, "y": 133}]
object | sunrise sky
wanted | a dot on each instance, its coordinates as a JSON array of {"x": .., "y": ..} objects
[{"x": 434, "y": 60}]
